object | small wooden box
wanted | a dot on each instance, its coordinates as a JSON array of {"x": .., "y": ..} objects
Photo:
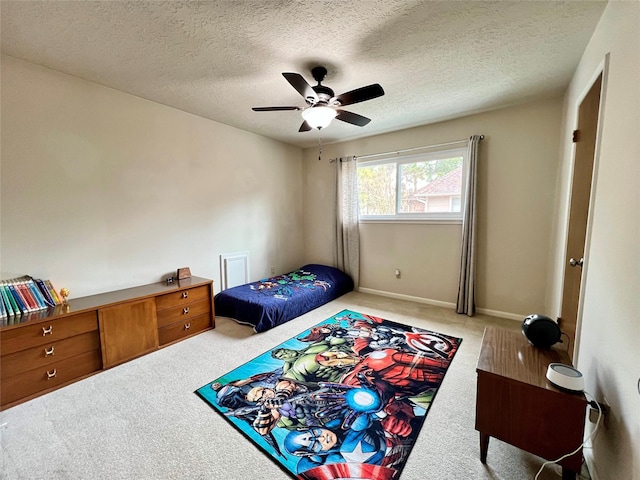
[{"x": 184, "y": 273}]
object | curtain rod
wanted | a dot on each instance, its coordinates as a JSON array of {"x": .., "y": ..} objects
[{"x": 397, "y": 152}]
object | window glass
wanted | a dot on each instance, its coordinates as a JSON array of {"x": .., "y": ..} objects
[
  {"x": 377, "y": 189},
  {"x": 417, "y": 187}
]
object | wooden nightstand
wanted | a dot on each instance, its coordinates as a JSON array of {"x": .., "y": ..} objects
[{"x": 517, "y": 404}]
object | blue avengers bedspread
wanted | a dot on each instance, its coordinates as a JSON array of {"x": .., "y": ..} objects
[{"x": 276, "y": 300}]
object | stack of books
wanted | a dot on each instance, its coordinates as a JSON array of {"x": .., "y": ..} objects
[{"x": 22, "y": 295}]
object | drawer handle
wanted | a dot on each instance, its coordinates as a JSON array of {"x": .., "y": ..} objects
[
  {"x": 185, "y": 294},
  {"x": 47, "y": 331},
  {"x": 48, "y": 352},
  {"x": 185, "y": 310},
  {"x": 51, "y": 374},
  {"x": 187, "y": 326}
]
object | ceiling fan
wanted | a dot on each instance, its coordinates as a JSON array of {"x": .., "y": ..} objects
[{"x": 322, "y": 104}]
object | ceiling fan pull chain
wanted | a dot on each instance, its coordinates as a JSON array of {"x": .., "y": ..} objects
[{"x": 319, "y": 146}]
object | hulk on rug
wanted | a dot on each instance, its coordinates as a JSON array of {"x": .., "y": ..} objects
[{"x": 344, "y": 399}]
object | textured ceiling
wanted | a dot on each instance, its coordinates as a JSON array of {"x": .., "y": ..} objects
[{"x": 435, "y": 59}]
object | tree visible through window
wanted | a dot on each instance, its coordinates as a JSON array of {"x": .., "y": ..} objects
[{"x": 425, "y": 186}]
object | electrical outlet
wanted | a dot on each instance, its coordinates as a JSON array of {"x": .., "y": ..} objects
[
  {"x": 273, "y": 270},
  {"x": 593, "y": 415},
  {"x": 594, "y": 412}
]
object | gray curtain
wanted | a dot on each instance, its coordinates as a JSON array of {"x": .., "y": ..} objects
[
  {"x": 466, "y": 285},
  {"x": 347, "y": 256}
]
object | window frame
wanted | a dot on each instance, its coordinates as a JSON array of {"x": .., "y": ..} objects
[{"x": 420, "y": 217}]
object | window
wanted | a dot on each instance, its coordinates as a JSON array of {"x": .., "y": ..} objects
[{"x": 423, "y": 187}]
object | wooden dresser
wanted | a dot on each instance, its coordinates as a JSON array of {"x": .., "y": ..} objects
[{"x": 46, "y": 350}]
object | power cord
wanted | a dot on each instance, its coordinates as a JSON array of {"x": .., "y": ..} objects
[
  {"x": 593, "y": 432},
  {"x": 568, "y": 340}
]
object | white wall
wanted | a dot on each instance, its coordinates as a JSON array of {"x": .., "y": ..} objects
[
  {"x": 102, "y": 190},
  {"x": 516, "y": 194},
  {"x": 609, "y": 328}
]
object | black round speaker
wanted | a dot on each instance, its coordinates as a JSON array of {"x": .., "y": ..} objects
[{"x": 541, "y": 331}]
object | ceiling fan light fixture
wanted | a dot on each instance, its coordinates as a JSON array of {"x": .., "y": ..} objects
[
  {"x": 322, "y": 105},
  {"x": 319, "y": 116}
]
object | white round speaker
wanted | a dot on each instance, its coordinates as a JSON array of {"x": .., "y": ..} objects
[{"x": 565, "y": 377}]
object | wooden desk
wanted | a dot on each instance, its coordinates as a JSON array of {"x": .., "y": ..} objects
[{"x": 517, "y": 404}]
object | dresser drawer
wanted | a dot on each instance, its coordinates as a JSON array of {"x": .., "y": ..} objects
[
  {"x": 184, "y": 328},
  {"x": 42, "y": 333},
  {"x": 182, "y": 297},
  {"x": 49, "y": 377},
  {"x": 183, "y": 312},
  {"x": 49, "y": 353}
]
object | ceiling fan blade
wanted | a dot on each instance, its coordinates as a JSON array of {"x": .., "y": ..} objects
[
  {"x": 305, "y": 127},
  {"x": 359, "y": 95},
  {"x": 352, "y": 118},
  {"x": 298, "y": 82},
  {"x": 274, "y": 109}
]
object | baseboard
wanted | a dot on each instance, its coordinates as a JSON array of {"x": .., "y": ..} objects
[
  {"x": 439, "y": 303},
  {"x": 411, "y": 298},
  {"x": 588, "y": 460},
  {"x": 498, "y": 313}
]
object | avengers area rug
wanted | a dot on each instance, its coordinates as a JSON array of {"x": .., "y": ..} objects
[{"x": 345, "y": 399}]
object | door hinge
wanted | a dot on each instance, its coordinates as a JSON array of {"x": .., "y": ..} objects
[{"x": 576, "y": 136}]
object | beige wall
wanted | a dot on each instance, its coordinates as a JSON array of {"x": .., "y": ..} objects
[
  {"x": 102, "y": 190},
  {"x": 609, "y": 327},
  {"x": 516, "y": 187}
]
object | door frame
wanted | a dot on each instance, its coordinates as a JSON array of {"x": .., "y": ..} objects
[{"x": 602, "y": 69}]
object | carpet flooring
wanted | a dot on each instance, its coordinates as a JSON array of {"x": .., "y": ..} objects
[{"x": 141, "y": 420}]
